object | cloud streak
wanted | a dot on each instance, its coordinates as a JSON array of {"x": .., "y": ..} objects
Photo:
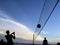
[
  {"x": 44, "y": 32},
  {"x": 3, "y": 15},
  {"x": 21, "y": 30}
]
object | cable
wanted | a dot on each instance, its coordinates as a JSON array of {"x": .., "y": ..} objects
[
  {"x": 48, "y": 17},
  {"x": 41, "y": 13}
]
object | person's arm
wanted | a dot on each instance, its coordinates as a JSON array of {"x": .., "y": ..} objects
[{"x": 13, "y": 35}]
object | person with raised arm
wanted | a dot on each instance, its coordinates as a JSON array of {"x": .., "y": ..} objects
[{"x": 9, "y": 37}]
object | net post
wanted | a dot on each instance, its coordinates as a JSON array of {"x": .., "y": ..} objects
[{"x": 33, "y": 39}]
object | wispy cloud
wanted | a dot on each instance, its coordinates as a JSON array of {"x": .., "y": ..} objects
[
  {"x": 3, "y": 14},
  {"x": 21, "y": 30},
  {"x": 1, "y": 32},
  {"x": 57, "y": 39},
  {"x": 44, "y": 32}
]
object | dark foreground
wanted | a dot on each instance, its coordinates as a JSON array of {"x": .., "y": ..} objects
[
  {"x": 24, "y": 44},
  {"x": 30, "y": 44}
]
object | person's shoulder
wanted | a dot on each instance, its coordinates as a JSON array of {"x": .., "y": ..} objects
[{"x": 46, "y": 40}]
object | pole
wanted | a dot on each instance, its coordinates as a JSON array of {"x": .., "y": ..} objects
[{"x": 33, "y": 39}]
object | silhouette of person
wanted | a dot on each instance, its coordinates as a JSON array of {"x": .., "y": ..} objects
[
  {"x": 45, "y": 42},
  {"x": 58, "y": 43},
  {"x": 9, "y": 37},
  {"x": 1, "y": 42}
]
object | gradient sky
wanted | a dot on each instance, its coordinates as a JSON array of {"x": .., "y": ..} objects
[{"x": 25, "y": 13}]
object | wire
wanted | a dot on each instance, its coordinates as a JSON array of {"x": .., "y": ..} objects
[
  {"x": 41, "y": 14},
  {"x": 48, "y": 18}
]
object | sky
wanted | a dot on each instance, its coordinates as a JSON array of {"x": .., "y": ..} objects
[{"x": 22, "y": 17}]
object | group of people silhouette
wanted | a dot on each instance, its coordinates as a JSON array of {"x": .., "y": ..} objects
[{"x": 9, "y": 37}]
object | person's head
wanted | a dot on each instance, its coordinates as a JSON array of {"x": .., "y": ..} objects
[
  {"x": 45, "y": 38},
  {"x": 7, "y": 32}
]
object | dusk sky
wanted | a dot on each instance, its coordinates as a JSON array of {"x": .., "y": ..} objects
[{"x": 22, "y": 17}]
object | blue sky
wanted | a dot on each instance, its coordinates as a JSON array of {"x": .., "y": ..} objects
[{"x": 27, "y": 13}]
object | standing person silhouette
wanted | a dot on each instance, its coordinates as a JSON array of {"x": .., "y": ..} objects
[
  {"x": 45, "y": 42},
  {"x": 9, "y": 37}
]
